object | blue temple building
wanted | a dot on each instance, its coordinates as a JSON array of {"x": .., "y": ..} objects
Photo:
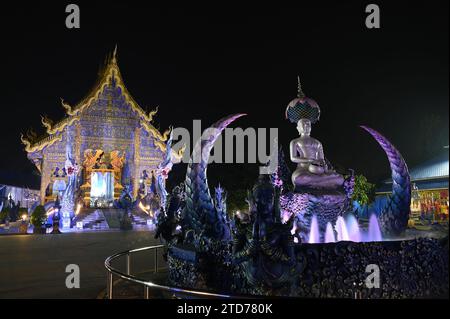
[{"x": 111, "y": 138}]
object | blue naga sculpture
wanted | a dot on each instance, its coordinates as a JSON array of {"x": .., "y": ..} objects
[
  {"x": 205, "y": 220},
  {"x": 68, "y": 198},
  {"x": 394, "y": 217},
  {"x": 163, "y": 171},
  {"x": 169, "y": 220},
  {"x": 199, "y": 254}
]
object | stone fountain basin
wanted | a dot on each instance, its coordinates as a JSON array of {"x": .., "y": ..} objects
[
  {"x": 416, "y": 268},
  {"x": 413, "y": 268}
]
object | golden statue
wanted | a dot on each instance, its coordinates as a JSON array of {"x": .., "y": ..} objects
[
  {"x": 91, "y": 158},
  {"x": 117, "y": 161}
]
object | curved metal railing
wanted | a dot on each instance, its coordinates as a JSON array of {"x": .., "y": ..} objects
[{"x": 148, "y": 285}]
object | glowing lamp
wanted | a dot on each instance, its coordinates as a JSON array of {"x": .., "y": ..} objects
[
  {"x": 66, "y": 222},
  {"x": 77, "y": 211}
]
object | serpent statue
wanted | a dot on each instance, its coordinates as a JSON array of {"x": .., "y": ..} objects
[
  {"x": 202, "y": 257},
  {"x": 201, "y": 215},
  {"x": 394, "y": 217}
]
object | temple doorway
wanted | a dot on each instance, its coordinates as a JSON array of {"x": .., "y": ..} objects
[
  {"x": 102, "y": 188},
  {"x": 102, "y": 174}
]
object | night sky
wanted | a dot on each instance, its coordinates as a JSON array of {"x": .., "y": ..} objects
[{"x": 205, "y": 64}]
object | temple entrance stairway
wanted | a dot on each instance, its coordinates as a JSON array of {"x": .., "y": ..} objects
[
  {"x": 113, "y": 216},
  {"x": 92, "y": 219},
  {"x": 138, "y": 220},
  {"x": 109, "y": 218}
]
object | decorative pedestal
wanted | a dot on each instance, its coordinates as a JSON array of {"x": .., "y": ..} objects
[{"x": 327, "y": 205}]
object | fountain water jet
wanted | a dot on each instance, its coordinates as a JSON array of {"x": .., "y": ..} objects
[
  {"x": 341, "y": 229},
  {"x": 329, "y": 234},
  {"x": 347, "y": 230},
  {"x": 293, "y": 232},
  {"x": 353, "y": 228},
  {"x": 374, "y": 229},
  {"x": 314, "y": 235}
]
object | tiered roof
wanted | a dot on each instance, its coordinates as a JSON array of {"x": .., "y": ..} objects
[{"x": 111, "y": 72}]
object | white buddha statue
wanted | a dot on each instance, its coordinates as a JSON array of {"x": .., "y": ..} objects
[{"x": 312, "y": 170}]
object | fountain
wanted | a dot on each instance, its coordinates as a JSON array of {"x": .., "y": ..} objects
[
  {"x": 374, "y": 229},
  {"x": 347, "y": 229},
  {"x": 353, "y": 229},
  {"x": 314, "y": 234},
  {"x": 329, "y": 234},
  {"x": 296, "y": 240},
  {"x": 272, "y": 254},
  {"x": 341, "y": 229}
]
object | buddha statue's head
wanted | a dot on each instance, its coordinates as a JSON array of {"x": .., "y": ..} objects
[{"x": 304, "y": 127}]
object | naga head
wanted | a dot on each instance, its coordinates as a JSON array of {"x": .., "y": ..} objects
[{"x": 220, "y": 199}]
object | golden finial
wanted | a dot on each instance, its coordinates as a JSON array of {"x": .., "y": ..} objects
[
  {"x": 151, "y": 114},
  {"x": 300, "y": 93},
  {"x": 66, "y": 106},
  {"x": 24, "y": 140},
  {"x": 114, "y": 56}
]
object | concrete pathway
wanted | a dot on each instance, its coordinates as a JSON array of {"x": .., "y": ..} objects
[{"x": 33, "y": 266}]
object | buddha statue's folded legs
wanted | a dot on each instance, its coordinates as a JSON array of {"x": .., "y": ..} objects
[{"x": 306, "y": 179}]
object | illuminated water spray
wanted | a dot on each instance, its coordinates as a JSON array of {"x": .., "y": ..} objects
[
  {"x": 341, "y": 229},
  {"x": 314, "y": 234},
  {"x": 346, "y": 229},
  {"x": 374, "y": 229},
  {"x": 329, "y": 234},
  {"x": 293, "y": 230},
  {"x": 354, "y": 233}
]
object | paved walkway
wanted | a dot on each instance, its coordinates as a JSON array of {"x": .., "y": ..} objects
[{"x": 33, "y": 266}]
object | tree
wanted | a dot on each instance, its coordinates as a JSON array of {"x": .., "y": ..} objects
[
  {"x": 38, "y": 217},
  {"x": 236, "y": 200},
  {"x": 364, "y": 192},
  {"x": 4, "y": 213}
]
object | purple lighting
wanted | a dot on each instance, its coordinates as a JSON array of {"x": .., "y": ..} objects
[
  {"x": 341, "y": 229},
  {"x": 353, "y": 229},
  {"x": 346, "y": 230},
  {"x": 374, "y": 229},
  {"x": 314, "y": 235},
  {"x": 329, "y": 234}
]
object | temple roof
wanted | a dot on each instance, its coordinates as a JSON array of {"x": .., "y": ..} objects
[
  {"x": 110, "y": 73},
  {"x": 431, "y": 174},
  {"x": 436, "y": 167}
]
